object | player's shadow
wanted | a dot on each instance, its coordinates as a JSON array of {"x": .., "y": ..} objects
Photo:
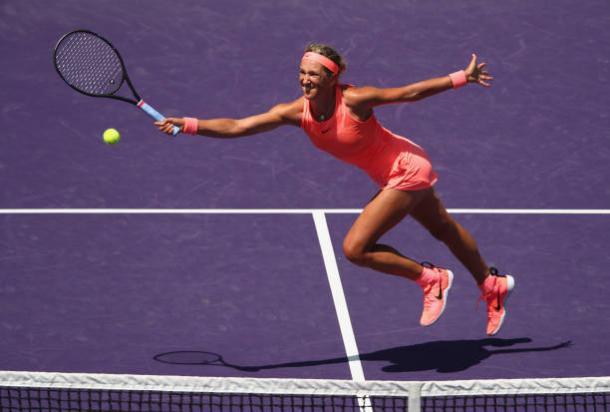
[{"x": 441, "y": 356}]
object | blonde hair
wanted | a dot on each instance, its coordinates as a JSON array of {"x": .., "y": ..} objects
[{"x": 327, "y": 51}]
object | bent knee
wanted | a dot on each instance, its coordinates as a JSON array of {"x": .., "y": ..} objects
[{"x": 354, "y": 253}]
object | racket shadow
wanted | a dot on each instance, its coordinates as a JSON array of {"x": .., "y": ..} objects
[{"x": 441, "y": 356}]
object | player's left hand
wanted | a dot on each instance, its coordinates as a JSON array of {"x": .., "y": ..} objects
[{"x": 477, "y": 73}]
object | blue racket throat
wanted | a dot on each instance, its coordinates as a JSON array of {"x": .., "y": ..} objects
[{"x": 148, "y": 109}]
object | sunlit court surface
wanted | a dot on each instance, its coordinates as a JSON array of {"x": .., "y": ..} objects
[{"x": 187, "y": 273}]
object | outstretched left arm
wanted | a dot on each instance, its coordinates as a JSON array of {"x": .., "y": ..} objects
[{"x": 368, "y": 97}]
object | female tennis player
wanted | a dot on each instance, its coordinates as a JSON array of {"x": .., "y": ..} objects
[{"x": 339, "y": 119}]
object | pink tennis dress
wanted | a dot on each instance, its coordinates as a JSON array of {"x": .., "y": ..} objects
[{"x": 392, "y": 161}]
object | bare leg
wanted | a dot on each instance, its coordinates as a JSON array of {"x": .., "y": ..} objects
[
  {"x": 384, "y": 211},
  {"x": 431, "y": 213}
]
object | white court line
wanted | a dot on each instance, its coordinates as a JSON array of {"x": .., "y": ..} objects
[
  {"x": 332, "y": 271},
  {"x": 161, "y": 211}
]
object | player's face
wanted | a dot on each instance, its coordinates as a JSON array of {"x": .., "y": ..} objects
[{"x": 314, "y": 79}]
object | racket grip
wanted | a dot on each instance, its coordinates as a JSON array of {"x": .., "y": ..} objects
[{"x": 155, "y": 114}]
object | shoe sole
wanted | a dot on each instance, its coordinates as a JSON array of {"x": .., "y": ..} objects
[
  {"x": 510, "y": 285},
  {"x": 445, "y": 295}
]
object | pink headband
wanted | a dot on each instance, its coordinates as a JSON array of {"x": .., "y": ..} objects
[{"x": 323, "y": 60}]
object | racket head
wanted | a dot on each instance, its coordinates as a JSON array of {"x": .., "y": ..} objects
[
  {"x": 189, "y": 357},
  {"x": 90, "y": 64}
]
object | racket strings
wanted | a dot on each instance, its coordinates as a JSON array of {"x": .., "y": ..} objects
[{"x": 89, "y": 64}]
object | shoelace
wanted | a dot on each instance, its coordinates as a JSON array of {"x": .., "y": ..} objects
[
  {"x": 484, "y": 295},
  {"x": 429, "y": 297}
]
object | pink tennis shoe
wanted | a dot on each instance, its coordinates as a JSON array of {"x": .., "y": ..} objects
[
  {"x": 436, "y": 283},
  {"x": 495, "y": 291}
]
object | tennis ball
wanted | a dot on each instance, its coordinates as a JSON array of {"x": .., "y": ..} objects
[{"x": 111, "y": 136}]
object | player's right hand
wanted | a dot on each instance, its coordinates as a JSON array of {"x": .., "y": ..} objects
[{"x": 166, "y": 125}]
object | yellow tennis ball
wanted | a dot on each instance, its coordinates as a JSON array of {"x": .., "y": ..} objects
[{"x": 111, "y": 136}]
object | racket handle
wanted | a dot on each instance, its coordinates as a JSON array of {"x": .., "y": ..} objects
[{"x": 155, "y": 114}]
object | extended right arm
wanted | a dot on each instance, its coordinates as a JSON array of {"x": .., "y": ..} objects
[{"x": 282, "y": 114}]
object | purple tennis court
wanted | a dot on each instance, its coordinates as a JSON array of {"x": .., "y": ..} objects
[{"x": 197, "y": 257}]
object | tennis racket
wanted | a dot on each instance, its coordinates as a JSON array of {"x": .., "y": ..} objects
[{"x": 91, "y": 65}]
